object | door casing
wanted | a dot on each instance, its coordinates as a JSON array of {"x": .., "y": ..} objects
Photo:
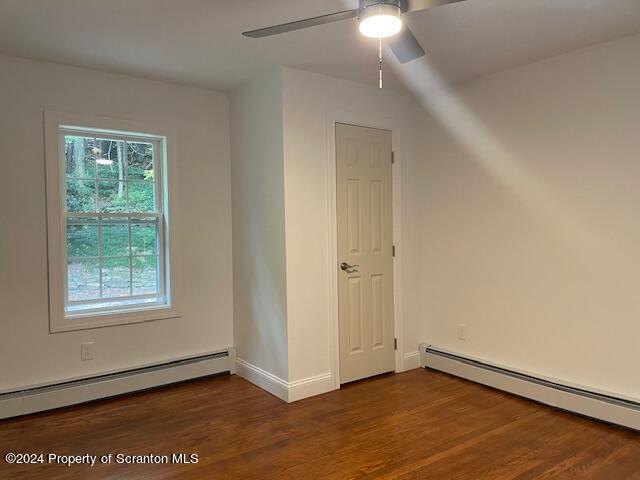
[{"x": 369, "y": 120}]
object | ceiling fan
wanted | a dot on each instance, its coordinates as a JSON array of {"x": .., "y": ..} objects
[{"x": 377, "y": 19}]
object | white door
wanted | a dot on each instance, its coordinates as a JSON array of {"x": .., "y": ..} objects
[{"x": 365, "y": 251}]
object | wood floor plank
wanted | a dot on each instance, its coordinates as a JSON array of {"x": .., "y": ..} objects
[{"x": 419, "y": 424}]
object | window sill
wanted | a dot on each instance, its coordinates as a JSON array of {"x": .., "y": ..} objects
[{"x": 92, "y": 320}]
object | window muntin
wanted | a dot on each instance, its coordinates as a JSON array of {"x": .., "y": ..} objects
[{"x": 114, "y": 224}]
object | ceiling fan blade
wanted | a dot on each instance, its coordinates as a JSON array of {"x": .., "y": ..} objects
[
  {"x": 307, "y": 22},
  {"x": 415, "y": 5},
  {"x": 405, "y": 46}
]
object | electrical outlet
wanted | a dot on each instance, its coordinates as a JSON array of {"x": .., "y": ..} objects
[
  {"x": 86, "y": 351},
  {"x": 462, "y": 332}
]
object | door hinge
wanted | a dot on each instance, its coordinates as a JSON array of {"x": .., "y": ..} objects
[
  {"x": 393, "y": 250},
  {"x": 393, "y": 157},
  {"x": 395, "y": 343}
]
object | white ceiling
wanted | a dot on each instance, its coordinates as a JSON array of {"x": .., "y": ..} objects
[{"x": 199, "y": 42}]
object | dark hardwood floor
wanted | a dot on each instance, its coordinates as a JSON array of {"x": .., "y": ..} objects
[{"x": 415, "y": 425}]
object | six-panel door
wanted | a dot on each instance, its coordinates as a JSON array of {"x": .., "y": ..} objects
[{"x": 365, "y": 242}]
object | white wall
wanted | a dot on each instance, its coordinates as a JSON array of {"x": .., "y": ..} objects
[
  {"x": 260, "y": 315},
  {"x": 311, "y": 102},
  {"x": 517, "y": 215},
  {"x": 28, "y": 353},
  {"x": 530, "y": 230},
  {"x": 517, "y": 218},
  {"x": 282, "y": 159}
]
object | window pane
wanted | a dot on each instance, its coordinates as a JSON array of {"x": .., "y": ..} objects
[
  {"x": 141, "y": 198},
  {"x": 82, "y": 237},
  {"x": 110, "y": 160},
  {"x": 145, "y": 275},
  {"x": 140, "y": 161},
  {"x": 81, "y": 196},
  {"x": 112, "y": 196},
  {"x": 83, "y": 280},
  {"x": 115, "y": 277},
  {"x": 115, "y": 238},
  {"x": 79, "y": 157},
  {"x": 113, "y": 258},
  {"x": 144, "y": 238}
]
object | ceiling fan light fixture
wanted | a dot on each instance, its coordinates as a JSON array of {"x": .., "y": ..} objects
[
  {"x": 104, "y": 161},
  {"x": 380, "y": 20}
]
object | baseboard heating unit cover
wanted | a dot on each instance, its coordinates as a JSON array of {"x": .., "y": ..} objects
[
  {"x": 605, "y": 407},
  {"x": 40, "y": 398}
]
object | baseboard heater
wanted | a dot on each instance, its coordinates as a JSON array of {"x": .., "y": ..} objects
[
  {"x": 37, "y": 399},
  {"x": 608, "y": 408}
]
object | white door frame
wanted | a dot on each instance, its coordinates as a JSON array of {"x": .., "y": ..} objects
[{"x": 370, "y": 120}]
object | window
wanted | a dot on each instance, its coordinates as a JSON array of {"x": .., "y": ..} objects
[
  {"x": 113, "y": 219},
  {"x": 112, "y": 204}
]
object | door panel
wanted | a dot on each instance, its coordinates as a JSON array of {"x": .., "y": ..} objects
[
  {"x": 354, "y": 319},
  {"x": 377, "y": 215},
  {"x": 365, "y": 241},
  {"x": 353, "y": 215}
]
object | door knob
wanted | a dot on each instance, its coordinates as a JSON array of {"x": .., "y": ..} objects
[{"x": 345, "y": 267}]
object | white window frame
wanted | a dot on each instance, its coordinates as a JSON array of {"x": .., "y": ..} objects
[{"x": 164, "y": 139}]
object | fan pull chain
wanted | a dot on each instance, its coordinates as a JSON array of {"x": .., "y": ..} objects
[{"x": 380, "y": 63}]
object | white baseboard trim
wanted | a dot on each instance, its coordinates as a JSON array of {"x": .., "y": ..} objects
[
  {"x": 411, "y": 360},
  {"x": 263, "y": 379},
  {"x": 591, "y": 404},
  {"x": 284, "y": 390},
  {"x": 311, "y": 386},
  {"x": 80, "y": 391}
]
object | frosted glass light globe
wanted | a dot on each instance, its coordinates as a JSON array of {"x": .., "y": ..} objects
[{"x": 380, "y": 21}]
